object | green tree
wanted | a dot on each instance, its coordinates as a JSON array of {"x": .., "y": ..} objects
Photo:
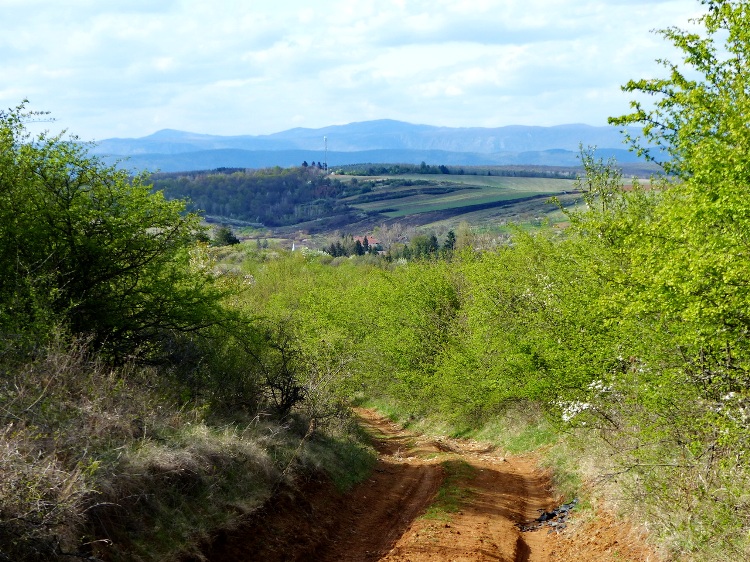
[
  {"x": 359, "y": 249},
  {"x": 424, "y": 246},
  {"x": 433, "y": 245},
  {"x": 450, "y": 242},
  {"x": 688, "y": 278},
  {"x": 224, "y": 236},
  {"x": 695, "y": 266},
  {"x": 87, "y": 245},
  {"x": 698, "y": 121}
]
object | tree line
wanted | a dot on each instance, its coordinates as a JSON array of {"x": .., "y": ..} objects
[{"x": 370, "y": 169}]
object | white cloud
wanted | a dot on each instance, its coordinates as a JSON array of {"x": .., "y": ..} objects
[{"x": 125, "y": 68}]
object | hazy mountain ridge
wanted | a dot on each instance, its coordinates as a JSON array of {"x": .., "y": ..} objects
[{"x": 368, "y": 141}]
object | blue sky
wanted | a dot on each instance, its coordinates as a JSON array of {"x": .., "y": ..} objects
[{"x": 116, "y": 68}]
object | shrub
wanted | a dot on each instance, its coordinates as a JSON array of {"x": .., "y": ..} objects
[{"x": 93, "y": 247}]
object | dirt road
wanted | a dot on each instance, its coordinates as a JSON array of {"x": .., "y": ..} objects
[
  {"x": 389, "y": 517},
  {"x": 494, "y": 493}
]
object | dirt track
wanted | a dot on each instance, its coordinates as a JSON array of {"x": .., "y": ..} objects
[
  {"x": 380, "y": 520},
  {"x": 499, "y": 493}
]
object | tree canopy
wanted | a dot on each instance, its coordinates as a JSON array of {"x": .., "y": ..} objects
[
  {"x": 696, "y": 267},
  {"x": 88, "y": 246},
  {"x": 697, "y": 122}
]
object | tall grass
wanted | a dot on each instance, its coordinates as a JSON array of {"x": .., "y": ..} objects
[{"x": 108, "y": 462}]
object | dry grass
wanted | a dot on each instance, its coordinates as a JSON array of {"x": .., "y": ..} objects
[{"x": 103, "y": 462}]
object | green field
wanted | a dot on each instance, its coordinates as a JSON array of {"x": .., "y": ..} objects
[{"x": 476, "y": 199}]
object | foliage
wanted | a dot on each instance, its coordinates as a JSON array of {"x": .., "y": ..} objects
[
  {"x": 223, "y": 236},
  {"x": 687, "y": 290},
  {"x": 350, "y": 246},
  {"x": 423, "y": 246},
  {"x": 697, "y": 124},
  {"x": 295, "y": 342},
  {"x": 86, "y": 244},
  {"x": 270, "y": 197},
  {"x": 692, "y": 264}
]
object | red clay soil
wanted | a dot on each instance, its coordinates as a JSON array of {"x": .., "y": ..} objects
[{"x": 381, "y": 519}]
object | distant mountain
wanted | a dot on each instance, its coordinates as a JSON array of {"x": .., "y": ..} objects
[{"x": 369, "y": 141}]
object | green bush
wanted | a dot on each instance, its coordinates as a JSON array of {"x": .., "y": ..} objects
[{"x": 89, "y": 245}]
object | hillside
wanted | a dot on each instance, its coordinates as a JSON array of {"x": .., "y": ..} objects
[{"x": 306, "y": 198}]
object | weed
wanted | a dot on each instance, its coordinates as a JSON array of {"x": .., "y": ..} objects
[{"x": 454, "y": 491}]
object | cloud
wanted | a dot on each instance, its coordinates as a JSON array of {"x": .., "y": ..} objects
[{"x": 125, "y": 68}]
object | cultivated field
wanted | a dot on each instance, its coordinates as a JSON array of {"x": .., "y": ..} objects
[{"x": 426, "y": 200}]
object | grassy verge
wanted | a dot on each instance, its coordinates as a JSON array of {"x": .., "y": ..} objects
[{"x": 107, "y": 463}]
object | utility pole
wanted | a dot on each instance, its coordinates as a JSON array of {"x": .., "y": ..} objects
[{"x": 325, "y": 157}]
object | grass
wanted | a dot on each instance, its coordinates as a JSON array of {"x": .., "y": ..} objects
[
  {"x": 188, "y": 483},
  {"x": 107, "y": 462},
  {"x": 343, "y": 456},
  {"x": 471, "y": 191},
  {"x": 521, "y": 429},
  {"x": 203, "y": 477},
  {"x": 506, "y": 182},
  {"x": 454, "y": 492},
  {"x": 526, "y": 215},
  {"x": 459, "y": 192}
]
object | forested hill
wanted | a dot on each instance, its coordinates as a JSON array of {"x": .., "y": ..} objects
[{"x": 272, "y": 197}]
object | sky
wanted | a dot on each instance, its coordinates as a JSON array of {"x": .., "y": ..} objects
[{"x": 128, "y": 68}]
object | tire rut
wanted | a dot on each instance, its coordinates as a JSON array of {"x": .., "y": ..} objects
[
  {"x": 380, "y": 519},
  {"x": 382, "y": 511},
  {"x": 501, "y": 493}
]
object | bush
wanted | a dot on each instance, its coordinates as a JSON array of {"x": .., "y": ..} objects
[{"x": 89, "y": 245}]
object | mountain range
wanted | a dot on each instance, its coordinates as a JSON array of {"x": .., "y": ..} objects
[{"x": 381, "y": 141}]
